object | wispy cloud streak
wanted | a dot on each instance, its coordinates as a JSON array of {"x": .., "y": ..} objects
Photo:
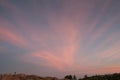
[{"x": 57, "y": 35}]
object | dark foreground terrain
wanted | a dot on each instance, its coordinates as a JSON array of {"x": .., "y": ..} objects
[
  {"x": 115, "y": 76},
  {"x": 24, "y": 77}
]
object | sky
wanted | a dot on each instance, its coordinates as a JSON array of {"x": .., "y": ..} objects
[{"x": 60, "y": 37}]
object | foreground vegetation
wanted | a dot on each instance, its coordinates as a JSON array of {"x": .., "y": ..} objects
[
  {"x": 24, "y": 77},
  {"x": 115, "y": 76}
]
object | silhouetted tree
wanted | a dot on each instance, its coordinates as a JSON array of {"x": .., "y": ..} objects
[
  {"x": 85, "y": 76},
  {"x": 69, "y": 77},
  {"x": 74, "y": 77}
]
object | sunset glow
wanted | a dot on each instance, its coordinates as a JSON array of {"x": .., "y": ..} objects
[{"x": 58, "y": 37}]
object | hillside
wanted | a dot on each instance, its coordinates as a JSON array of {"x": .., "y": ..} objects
[
  {"x": 115, "y": 76},
  {"x": 24, "y": 77}
]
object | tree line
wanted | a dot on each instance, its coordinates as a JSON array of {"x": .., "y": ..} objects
[{"x": 115, "y": 76}]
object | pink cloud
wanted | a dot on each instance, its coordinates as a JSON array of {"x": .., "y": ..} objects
[
  {"x": 65, "y": 58},
  {"x": 66, "y": 52},
  {"x": 99, "y": 33},
  {"x": 12, "y": 38},
  {"x": 109, "y": 39},
  {"x": 110, "y": 51},
  {"x": 58, "y": 46},
  {"x": 65, "y": 32},
  {"x": 99, "y": 16},
  {"x": 49, "y": 59}
]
